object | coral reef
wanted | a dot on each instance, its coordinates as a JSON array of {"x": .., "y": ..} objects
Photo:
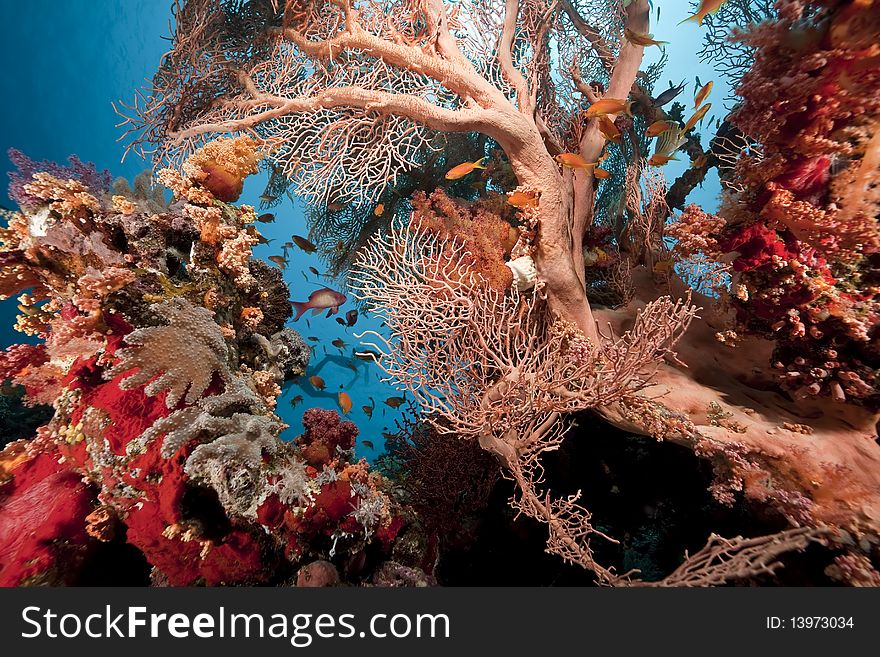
[{"x": 161, "y": 357}]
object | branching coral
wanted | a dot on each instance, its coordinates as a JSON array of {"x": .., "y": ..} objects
[{"x": 483, "y": 365}]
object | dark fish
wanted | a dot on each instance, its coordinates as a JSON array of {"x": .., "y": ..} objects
[
  {"x": 395, "y": 402},
  {"x": 314, "y": 271},
  {"x": 266, "y": 218},
  {"x": 669, "y": 94},
  {"x": 268, "y": 198},
  {"x": 368, "y": 411},
  {"x": 335, "y": 207},
  {"x": 341, "y": 321},
  {"x": 304, "y": 244},
  {"x": 313, "y": 338},
  {"x": 368, "y": 444},
  {"x": 697, "y": 79},
  {"x": 351, "y": 317},
  {"x": 339, "y": 343},
  {"x": 389, "y": 436},
  {"x": 281, "y": 261},
  {"x": 253, "y": 232},
  {"x": 352, "y": 366},
  {"x": 296, "y": 400}
]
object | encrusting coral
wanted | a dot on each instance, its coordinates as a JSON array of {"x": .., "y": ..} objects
[{"x": 162, "y": 353}]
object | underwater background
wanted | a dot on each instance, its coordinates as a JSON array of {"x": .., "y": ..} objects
[{"x": 67, "y": 63}]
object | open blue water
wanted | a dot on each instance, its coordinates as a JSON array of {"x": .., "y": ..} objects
[{"x": 64, "y": 62}]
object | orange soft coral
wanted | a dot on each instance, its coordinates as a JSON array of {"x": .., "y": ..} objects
[{"x": 487, "y": 237}]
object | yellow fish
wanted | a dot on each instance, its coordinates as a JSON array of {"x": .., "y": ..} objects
[
  {"x": 461, "y": 170},
  {"x": 658, "y": 128},
  {"x": 699, "y": 114},
  {"x": 702, "y": 93},
  {"x": 706, "y": 7},
  {"x": 344, "y": 402},
  {"x": 602, "y": 174},
  {"x": 658, "y": 160},
  {"x": 522, "y": 200},
  {"x": 608, "y": 129},
  {"x": 641, "y": 39},
  {"x": 609, "y": 106},
  {"x": 380, "y": 210},
  {"x": 574, "y": 161}
]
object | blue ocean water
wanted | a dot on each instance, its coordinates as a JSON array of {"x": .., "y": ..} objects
[{"x": 65, "y": 63}]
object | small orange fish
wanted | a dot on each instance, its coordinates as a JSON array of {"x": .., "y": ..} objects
[
  {"x": 317, "y": 382},
  {"x": 658, "y": 160},
  {"x": 574, "y": 161},
  {"x": 304, "y": 244},
  {"x": 339, "y": 343},
  {"x": 641, "y": 39},
  {"x": 699, "y": 114},
  {"x": 461, "y": 170},
  {"x": 344, "y": 402},
  {"x": 658, "y": 128},
  {"x": 394, "y": 402},
  {"x": 610, "y": 131},
  {"x": 379, "y": 210},
  {"x": 523, "y": 200},
  {"x": 609, "y": 106},
  {"x": 601, "y": 174},
  {"x": 702, "y": 94},
  {"x": 368, "y": 444},
  {"x": 281, "y": 261},
  {"x": 700, "y": 162},
  {"x": 368, "y": 411},
  {"x": 296, "y": 400},
  {"x": 706, "y": 7}
]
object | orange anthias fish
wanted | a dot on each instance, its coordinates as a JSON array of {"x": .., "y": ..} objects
[
  {"x": 523, "y": 200},
  {"x": 700, "y": 162},
  {"x": 317, "y": 382},
  {"x": 699, "y": 114},
  {"x": 706, "y": 7},
  {"x": 344, "y": 402},
  {"x": 574, "y": 161},
  {"x": 304, "y": 244},
  {"x": 379, "y": 210},
  {"x": 641, "y": 39},
  {"x": 461, "y": 170},
  {"x": 658, "y": 128},
  {"x": 658, "y": 160},
  {"x": 320, "y": 300},
  {"x": 610, "y": 131},
  {"x": 609, "y": 106},
  {"x": 702, "y": 93},
  {"x": 602, "y": 174}
]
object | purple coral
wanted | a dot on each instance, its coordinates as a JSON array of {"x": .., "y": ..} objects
[{"x": 98, "y": 182}]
